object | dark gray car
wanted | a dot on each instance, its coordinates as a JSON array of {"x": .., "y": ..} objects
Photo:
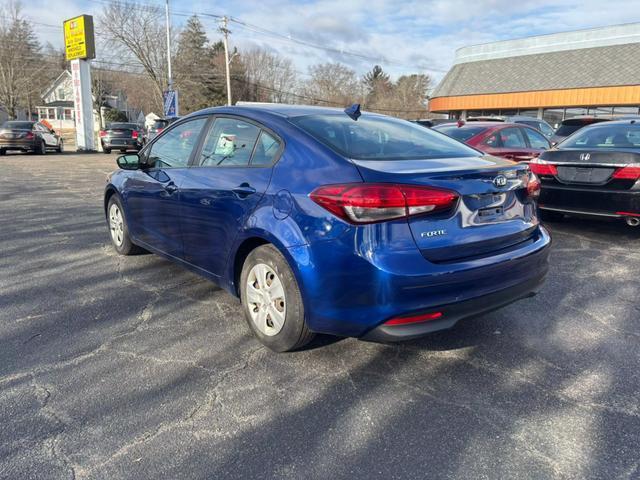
[{"x": 122, "y": 136}]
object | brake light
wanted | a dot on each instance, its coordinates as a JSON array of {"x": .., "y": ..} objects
[
  {"x": 627, "y": 173},
  {"x": 533, "y": 186},
  {"x": 134, "y": 134},
  {"x": 29, "y": 136},
  {"x": 362, "y": 203},
  {"x": 544, "y": 169},
  {"x": 103, "y": 133},
  {"x": 414, "y": 319}
]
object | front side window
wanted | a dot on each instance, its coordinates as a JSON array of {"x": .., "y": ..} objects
[
  {"x": 229, "y": 143},
  {"x": 537, "y": 140},
  {"x": 380, "y": 138},
  {"x": 174, "y": 148}
]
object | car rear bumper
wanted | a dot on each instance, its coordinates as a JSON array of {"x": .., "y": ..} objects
[
  {"x": 120, "y": 143},
  {"x": 353, "y": 285},
  {"x": 605, "y": 203},
  {"x": 23, "y": 145}
]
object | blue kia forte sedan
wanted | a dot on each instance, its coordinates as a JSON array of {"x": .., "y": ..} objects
[{"x": 332, "y": 221}]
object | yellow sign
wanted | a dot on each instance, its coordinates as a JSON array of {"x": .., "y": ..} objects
[{"x": 78, "y": 38}]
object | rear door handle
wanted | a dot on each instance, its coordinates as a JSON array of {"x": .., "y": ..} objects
[{"x": 243, "y": 190}]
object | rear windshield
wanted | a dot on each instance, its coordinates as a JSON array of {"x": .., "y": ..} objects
[
  {"x": 160, "y": 123},
  {"x": 605, "y": 136},
  {"x": 130, "y": 126},
  {"x": 459, "y": 133},
  {"x": 380, "y": 138},
  {"x": 566, "y": 130},
  {"x": 18, "y": 125}
]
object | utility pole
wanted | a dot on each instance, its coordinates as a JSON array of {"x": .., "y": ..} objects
[
  {"x": 226, "y": 32},
  {"x": 168, "y": 22}
]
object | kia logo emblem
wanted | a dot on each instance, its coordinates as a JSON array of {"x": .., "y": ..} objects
[
  {"x": 585, "y": 156},
  {"x": 500, "y": 181}
]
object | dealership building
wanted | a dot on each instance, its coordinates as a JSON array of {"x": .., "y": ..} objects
[{"x": 554, "y": 77}]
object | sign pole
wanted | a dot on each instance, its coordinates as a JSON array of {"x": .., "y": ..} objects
[{"x": 79, "y": 46}]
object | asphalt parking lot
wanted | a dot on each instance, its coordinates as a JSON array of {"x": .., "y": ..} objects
[{"x": 131, "y": 367}]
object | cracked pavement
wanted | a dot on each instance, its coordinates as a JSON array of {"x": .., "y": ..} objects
[{"x": 132, "y": 367}]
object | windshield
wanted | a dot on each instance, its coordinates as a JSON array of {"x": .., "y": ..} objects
[
  {"x": 131, "y": 126},
  {"x": 605, "y": 136},
  {"x": 459, "y": 133},
  {"x": 160, "y": 123},
  {"x": 18, "y": 125},
  {"x": 380, "y": 138}
]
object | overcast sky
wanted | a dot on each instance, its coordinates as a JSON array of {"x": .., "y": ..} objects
[{"x": 403, "y": 36}]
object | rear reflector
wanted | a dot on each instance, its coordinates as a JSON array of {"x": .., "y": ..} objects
[
  {"x": 377, "y": 202},
  {"x": 627, "y": 173},
  {"x": 425, "y": 317},
  {"x": 545, "y": 169}
]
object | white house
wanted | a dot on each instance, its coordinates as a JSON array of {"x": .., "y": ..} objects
[{"x": 57, "y": 104}]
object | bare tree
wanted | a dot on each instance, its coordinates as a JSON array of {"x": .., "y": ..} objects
[
  {"x": 332, "y": 84},
  {"x": 136, "y": 33},
  {"x": 410, "y": 95},
  {"x": 20, "y": 60},
  {"x": 270, "y": 77}
]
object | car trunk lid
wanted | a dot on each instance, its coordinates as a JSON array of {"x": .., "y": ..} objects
[
  {"x": 585, "y": 166},
  {"x": 490, "y": 215}
]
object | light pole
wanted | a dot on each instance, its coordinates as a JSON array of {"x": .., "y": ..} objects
[{"x": 226, "y": 32}]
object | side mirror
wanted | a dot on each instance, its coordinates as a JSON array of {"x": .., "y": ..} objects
[
  {"x": 130, "y": 161},
  {"x": 53, "y": 131}
]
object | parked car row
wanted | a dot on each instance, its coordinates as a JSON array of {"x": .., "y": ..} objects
[{"x": 594, "y": 169}]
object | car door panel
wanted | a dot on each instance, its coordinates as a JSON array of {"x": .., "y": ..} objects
[
  {"x": 218, "y": 201},
  {"x": 153, "y": 195}
]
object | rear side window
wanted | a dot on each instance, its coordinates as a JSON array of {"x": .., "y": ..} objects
[
  {"x": 174, "y": 148},
  {"x": 229, "y": 143},
  {"x": 512, "y": 138},
  {"x": 536, "y": 139},
  {"x": 266, "y": 150}
]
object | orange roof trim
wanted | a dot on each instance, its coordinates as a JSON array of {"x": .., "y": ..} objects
[{"x": 578, "y": 97}]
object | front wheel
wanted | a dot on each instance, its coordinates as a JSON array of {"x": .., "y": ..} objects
[
  {"x": 42, "y": 148},
  {"x": 118, "y": 228},
  {"x": 3, "y": 152},
  {"x": 60, "y": 147},
  {"x": 272, "y": 302},
  {"x": 106, "y": 150}
]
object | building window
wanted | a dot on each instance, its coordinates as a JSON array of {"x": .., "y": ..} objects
[
  {"x": 529, "y": 113},
  {"x": 68, "y": 114},
  {"x": 509, "y": 113},
  {"x": 625, "y": 110},
  {"x": 600, "y": 111},
  {"x": 575, "y": 112},
  {"x": 61, "y": 94},
  {"x": 553, "y": 116},
  {"x": 51, "y": 113}
]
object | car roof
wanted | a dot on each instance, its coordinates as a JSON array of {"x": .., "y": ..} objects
[
  {"x": 279, "y": 109},
  {"x": 608, "y": 123}
]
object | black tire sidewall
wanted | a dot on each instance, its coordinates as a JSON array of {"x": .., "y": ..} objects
[
  {"x": 42, "y": 149},
  {"x": 294, "y": 326},
  {"x": 127, "y": 246}
]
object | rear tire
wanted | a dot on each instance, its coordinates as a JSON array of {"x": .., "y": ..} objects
[
  {"x": 118, "y": 230},
  {"x": 123, "y": 151},
  {"x": 106, "y": 150},
  {"x": 551, "y": 216},
  {"x": 3, "y": 152},
  {"x": 42, "y": 148},
  {"x": 272, "y": 302}
]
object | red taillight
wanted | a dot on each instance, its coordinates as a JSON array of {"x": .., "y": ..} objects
[
  {"x": 627, "y": 173},
  {"x": 134, "y": 134},
  {"x": 103, "y": 133},
  {"x": 378, "y": 202},
  {"x": 533, "y": 186},
  {"x": 29, "y": 136},
  {"x": 425, "y": 317},
  {"x": 545, "y": 169}
]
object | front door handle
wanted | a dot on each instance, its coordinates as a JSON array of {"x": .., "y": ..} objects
[
  {"x": 171, "y": 188},
  {"x": 243, "y": 190}
]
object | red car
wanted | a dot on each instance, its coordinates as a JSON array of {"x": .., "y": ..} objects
[{"x": 513, "y": 141}]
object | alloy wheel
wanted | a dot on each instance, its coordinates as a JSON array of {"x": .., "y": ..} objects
[
  {"x": 266, "y": 299},
  {"x": 116, "y": 224}
]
